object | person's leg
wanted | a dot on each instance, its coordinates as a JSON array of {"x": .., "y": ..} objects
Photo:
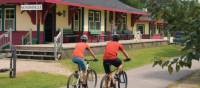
[
  {"x": 118, "y": 63},
  {"x": 106, "y": 65},
  {"x": 82, "y": 67}
]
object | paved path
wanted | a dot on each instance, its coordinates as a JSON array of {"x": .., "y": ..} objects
[
  {"x": 39, "y": 66},
  {"x": 148, "y": 77}
]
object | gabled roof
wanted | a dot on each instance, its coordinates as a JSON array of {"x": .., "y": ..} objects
[
  {"x": 110, "y": 5},
  {"x": 115, "y": 5}
]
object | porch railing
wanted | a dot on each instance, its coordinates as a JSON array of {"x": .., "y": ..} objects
[
  {"x": 27, "y": 39},
  {"x": 6, "y": 39},
  {"x": 58, "y": 42}
]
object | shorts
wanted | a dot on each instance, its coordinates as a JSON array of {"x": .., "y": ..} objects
[
  {"x": 80, "y": 62},
  {"x": 107, "y": 63}
]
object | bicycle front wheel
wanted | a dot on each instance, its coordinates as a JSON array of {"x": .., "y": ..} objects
[
  {"x": 91, "y": 78},
  {"x": 73, "y": 81},
  {"x": 122, "y": 80}
]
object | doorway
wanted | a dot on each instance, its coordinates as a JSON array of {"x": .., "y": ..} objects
[{"x": 50, "y": 26}]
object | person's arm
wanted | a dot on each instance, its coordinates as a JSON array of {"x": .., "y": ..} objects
[
  {"x": 90, "y": 50},
  {"x": 124, "y": 52}
]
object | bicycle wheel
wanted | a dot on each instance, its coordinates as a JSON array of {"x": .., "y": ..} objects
[
  {"x": 73, "y": 81},
  {"x": 91, "y": 78},
  {"x": 106, "y": 83},
  {"x": 122, "y": 80}
]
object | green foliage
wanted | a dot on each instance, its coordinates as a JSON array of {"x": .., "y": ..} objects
[{"x": 184, "y": 16}]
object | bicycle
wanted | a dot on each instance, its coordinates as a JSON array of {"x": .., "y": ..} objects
[
  {"x": 91, "y": 77},
  {"x": 119, "y": 80}
]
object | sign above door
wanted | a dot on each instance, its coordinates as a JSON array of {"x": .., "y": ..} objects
[{"x": 32, "y": 7}]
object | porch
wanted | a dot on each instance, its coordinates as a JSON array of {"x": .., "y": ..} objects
[{"x": 46, "y": 51}]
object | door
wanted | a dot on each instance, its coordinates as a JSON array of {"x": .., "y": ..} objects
[{"x": 50, "y": 26}]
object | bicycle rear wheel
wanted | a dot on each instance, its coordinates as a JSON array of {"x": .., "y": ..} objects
[
  {"x": 122, "y": 80},
  {"x": 91, "y": 78},
  {"x": 73, "y": 81},
  {"x": 106, "y": 83}
]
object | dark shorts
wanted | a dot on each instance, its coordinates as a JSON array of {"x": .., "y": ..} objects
[
  {"x": 80, "y": 62},
  {"x": 107, "y": 63}
]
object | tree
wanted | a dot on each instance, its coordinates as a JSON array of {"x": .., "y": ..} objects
[{"x": 180, "y": 15}]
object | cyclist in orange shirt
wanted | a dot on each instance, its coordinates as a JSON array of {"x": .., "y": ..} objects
[
  {"x": 78, "y": 54},
  {"x": 110, "y": 54}
]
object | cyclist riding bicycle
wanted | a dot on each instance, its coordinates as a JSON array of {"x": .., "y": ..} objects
[
  {"x": 110, "y": 54},
  {"x": 78, "y": 55}
]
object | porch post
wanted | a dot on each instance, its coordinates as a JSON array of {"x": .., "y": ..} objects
[{"x": 38, "y": 27}]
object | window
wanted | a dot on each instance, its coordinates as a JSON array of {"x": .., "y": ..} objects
[
  {"x": 121, "y": 21},
  {"x": 141, "y": 28},
  {"x": 94, "y": 20},
  {"x": 76, "y": 21},
  {"x": 9, "y": 17},
  {"x": 1, "y": 20}
]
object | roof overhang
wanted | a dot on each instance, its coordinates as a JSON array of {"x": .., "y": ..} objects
[{"x": 97, "y": 7}]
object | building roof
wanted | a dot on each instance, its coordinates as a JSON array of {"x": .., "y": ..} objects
[
  {"x": 110, "y": 5},
  {"x": 115, "y": 5},
  {"x": 145, "y": 19}
]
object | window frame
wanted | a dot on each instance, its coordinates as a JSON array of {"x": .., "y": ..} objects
[
  {"x": 94, "y": 21},
  {"x": 9, "y": 18},
  {"x": 74, "y": 21},
  {"x": 3, "y": 7},
  {"x": 124, "y": 18}
]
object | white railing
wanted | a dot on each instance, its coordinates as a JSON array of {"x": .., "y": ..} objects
[
  {"x": 6, "y": 39},
  {"x": 27, "y": 39},
  {"x": 58, "y": 42}
]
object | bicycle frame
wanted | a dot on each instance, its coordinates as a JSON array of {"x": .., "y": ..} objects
[
  {"x": 79, "y": 72},
  {"x": 116, "y": 71}
]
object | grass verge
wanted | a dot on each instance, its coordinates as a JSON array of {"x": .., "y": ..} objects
[
  {"x": 33, "y": 80},
  {"x": 139, "y": 57}
]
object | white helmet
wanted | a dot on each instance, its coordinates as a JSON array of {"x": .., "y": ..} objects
[{"x": 84, "y": 37}]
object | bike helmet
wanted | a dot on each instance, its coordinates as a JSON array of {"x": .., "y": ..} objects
[
  {"x": 115, "y": 37},
  {"x": 84, "y": 38}
]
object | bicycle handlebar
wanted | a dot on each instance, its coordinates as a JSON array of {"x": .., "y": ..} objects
[{"x": 89, "y": 60}]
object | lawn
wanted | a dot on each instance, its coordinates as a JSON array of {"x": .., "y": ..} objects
[
  {"x": 192, "y": 81},
  {"x": 139, "y": 57},
  {"x": 33, "y": 80}
]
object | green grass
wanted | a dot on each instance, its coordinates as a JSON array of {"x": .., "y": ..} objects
[
  {"x": 33, "y": 80},
  {"x": 139, "y": 57}
]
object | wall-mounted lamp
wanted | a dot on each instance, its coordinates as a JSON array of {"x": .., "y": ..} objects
[{"x": 61, "y": 13}]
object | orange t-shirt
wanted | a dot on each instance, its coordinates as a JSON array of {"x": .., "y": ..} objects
[
  {"x": 111, "y": 50},
  {"x": 79, "y": 49}
]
